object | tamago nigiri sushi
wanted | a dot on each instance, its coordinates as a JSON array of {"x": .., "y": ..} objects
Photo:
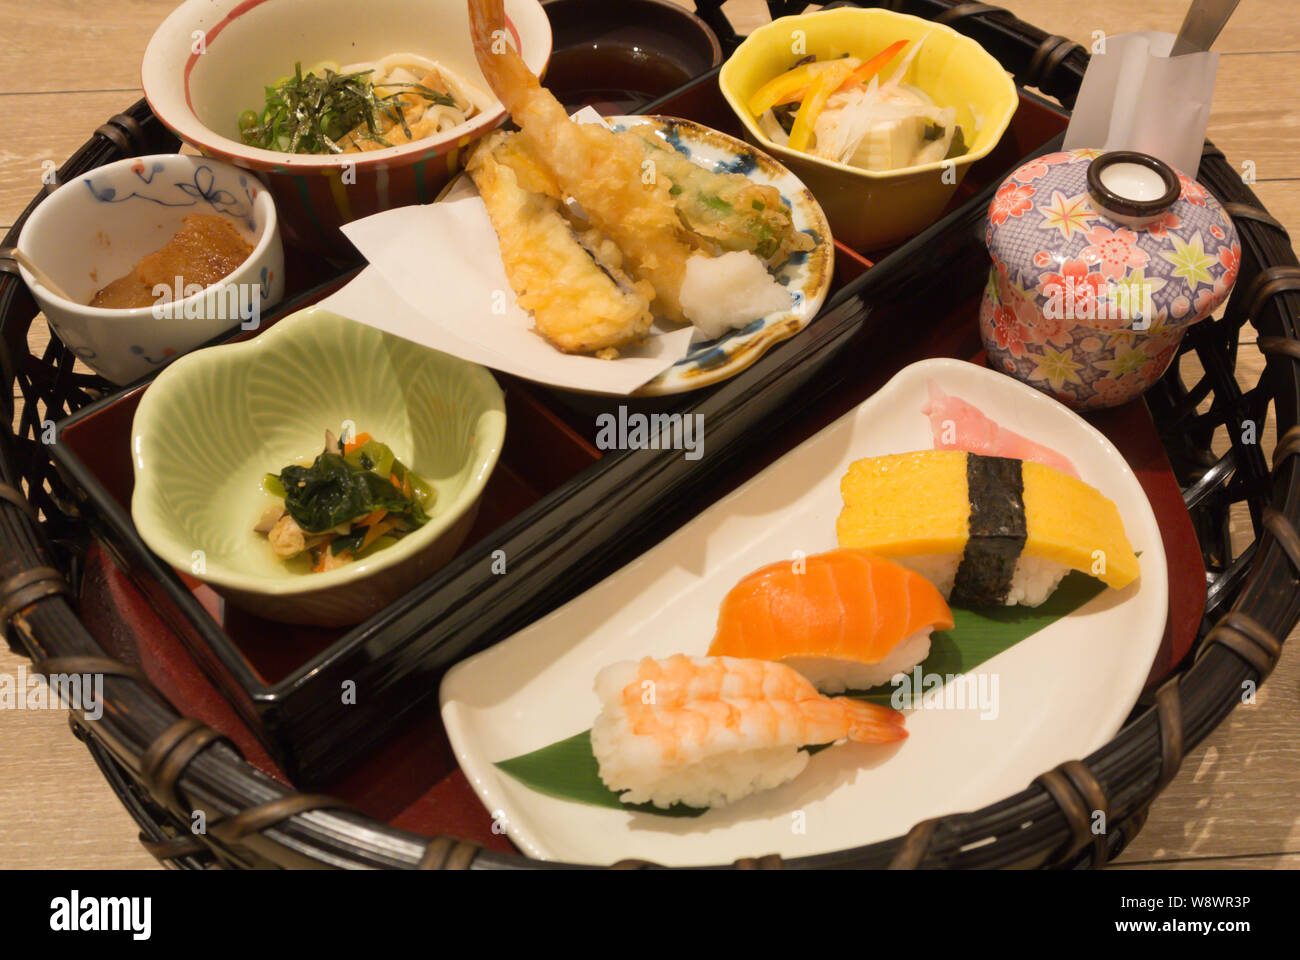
[
  {"x": 984, "y": 530},
  {"x": 708, "y": 731},
  {"x": 846, "y": 620}
]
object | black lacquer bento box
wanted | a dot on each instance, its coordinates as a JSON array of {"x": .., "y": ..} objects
[{"x": 215, "y": 707}]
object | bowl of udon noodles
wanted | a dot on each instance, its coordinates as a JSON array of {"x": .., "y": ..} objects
[{"x": 342, "y": 109}]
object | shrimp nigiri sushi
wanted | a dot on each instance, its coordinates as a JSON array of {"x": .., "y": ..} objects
[
  {"x": 708, "y": 731},
  {"x": 846, "y": 620}
]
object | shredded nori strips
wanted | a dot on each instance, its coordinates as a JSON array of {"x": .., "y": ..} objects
[{"x": 997, "y": 530}]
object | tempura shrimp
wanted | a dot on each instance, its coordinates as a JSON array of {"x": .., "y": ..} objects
[{"x": 608, "y": 176}]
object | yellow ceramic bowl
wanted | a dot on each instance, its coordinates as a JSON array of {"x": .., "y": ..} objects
[{"x": 868, "y": 210}]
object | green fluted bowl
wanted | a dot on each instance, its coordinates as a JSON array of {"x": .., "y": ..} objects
[{"x": 216, "y": 421}]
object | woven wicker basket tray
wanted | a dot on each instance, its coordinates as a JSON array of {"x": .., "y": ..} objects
[{"x": 62, "y": 545}]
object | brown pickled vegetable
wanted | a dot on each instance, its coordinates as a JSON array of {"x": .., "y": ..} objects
[{"x": 206, "y": 249}]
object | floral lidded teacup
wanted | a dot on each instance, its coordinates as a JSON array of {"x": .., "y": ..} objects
[{"x": 1100, "y": 264}]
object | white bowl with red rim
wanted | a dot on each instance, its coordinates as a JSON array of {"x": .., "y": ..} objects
[{"x": 211, "y": 60}]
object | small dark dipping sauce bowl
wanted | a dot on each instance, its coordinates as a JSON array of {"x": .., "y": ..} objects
[{"x": 618, "y": 56}]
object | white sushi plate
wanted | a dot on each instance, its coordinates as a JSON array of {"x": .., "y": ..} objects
[{"x": 1061, "y": 693}]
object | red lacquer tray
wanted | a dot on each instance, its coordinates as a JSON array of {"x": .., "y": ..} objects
[
  {"x": 409, "y": 778},
  {"x": 412, "y": 780}
]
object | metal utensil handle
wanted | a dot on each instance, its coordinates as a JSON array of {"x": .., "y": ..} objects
[{"x": 1201, "y": 26}]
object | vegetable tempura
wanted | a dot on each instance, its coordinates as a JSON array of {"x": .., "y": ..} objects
[
  {"x": 724, "y": 211},
  {"x": 572, "y": 281}
]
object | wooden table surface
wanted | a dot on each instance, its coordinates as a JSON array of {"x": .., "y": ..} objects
[{"x": 66, "y": 66}]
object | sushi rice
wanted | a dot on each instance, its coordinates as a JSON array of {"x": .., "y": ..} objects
[
  {"x": 836, "y": 675},
  {"x": 1033, "y": 580}
]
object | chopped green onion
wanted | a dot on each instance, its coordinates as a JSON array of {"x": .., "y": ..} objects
[{"x": 311, "y": 113}]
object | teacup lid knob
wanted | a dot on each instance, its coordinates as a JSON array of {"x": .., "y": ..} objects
[{"x": 1132, "y": 188}]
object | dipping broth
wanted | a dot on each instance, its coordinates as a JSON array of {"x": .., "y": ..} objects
[{"x": 615, "y": 77}]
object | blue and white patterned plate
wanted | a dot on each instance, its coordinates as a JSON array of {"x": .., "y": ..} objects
[{"x": 806, "y": 275}]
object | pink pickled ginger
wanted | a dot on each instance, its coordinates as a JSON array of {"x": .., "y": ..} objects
[{"x": 958, "y": 425}]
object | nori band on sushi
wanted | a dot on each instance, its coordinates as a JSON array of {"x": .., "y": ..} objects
[{"x": 996, "y": 532}]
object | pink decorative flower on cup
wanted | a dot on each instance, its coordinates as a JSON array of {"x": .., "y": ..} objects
[
  {"x": 1054, "y": 330},
  {"x": 1154, "y": 368},
  {"x": 1038, "y": 168},
  {"x": 1114, "y": 250},
  {"x": 1008, "y": 332},
  {"x": 1011, "y": 200},
  {"x": 1161, "y": 227},
  {"x": 1230, "y": 257},
  {"x": 1193, "y": 192},
  {"x": 1207, "y": 298},
  {"x": 1074, "y": 290}
]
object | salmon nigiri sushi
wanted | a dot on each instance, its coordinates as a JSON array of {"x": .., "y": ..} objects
[
  {"x": 708, "y": 731},
  {"x": 846, "y": 620}
]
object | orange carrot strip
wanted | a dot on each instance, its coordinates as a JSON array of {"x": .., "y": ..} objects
[
  {"x": 374, "y": 533},
  {"x": 859, "y": 76},
  {"x": 371, "y": 519},
  {"x": 873, "y": 66},
  {"x": 356, "y": 443}
]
